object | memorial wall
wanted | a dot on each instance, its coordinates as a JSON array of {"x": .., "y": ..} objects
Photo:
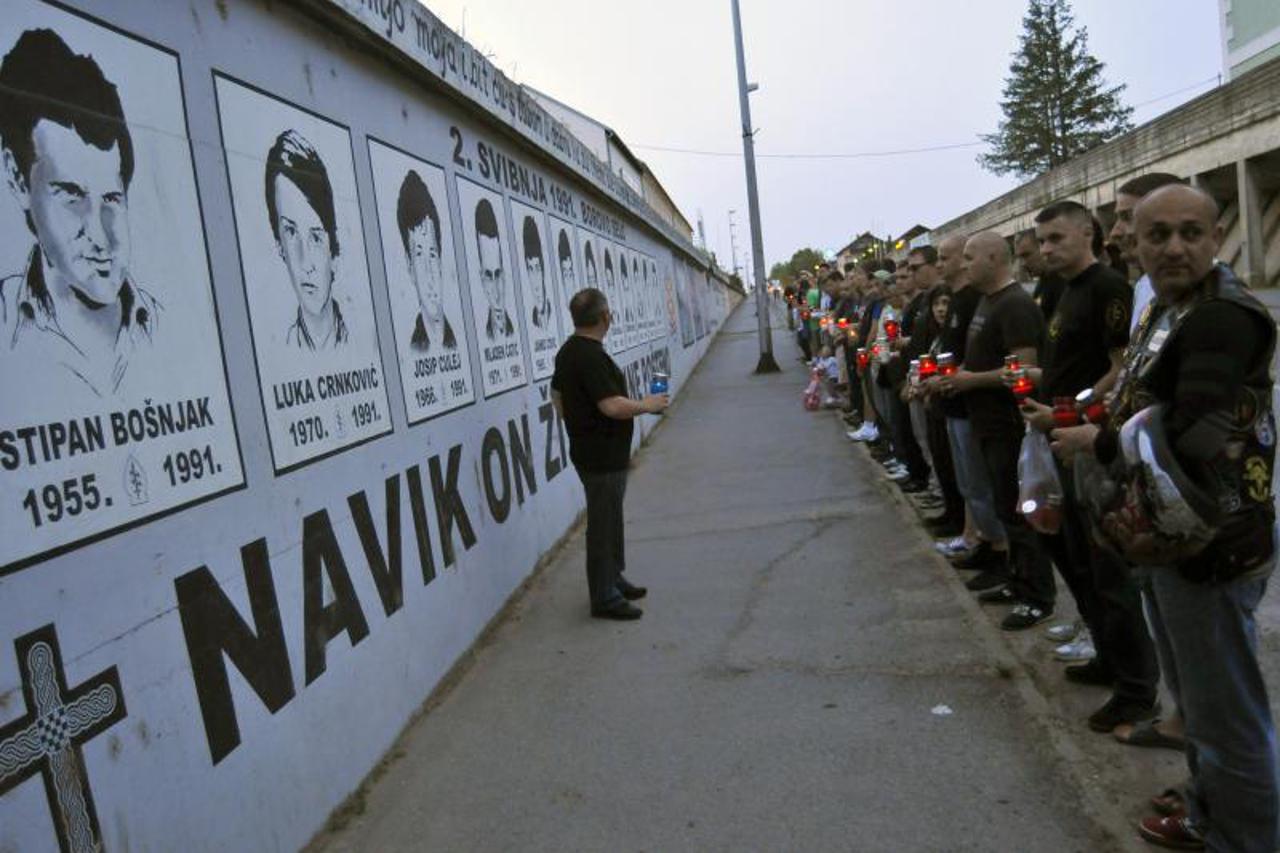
[{"x": 282, "y": 286}]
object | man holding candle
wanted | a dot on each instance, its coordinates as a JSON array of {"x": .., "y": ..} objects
[
  {"x": 1083, "y": 349},
  {"x": 990, "y": 555},
  {"x": 1006, "y": 322},
  {"x": 1201, "y": 364}
]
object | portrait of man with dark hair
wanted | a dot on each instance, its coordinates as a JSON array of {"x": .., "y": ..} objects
[
  {"x": 300, "y": 209},
  {"x": 564, "y": 262},
  {"x": 589, "y": 264},
  {"x": 610, "y": 287},
  {"x": 492, "y": 276},
  {"x": 68, "y": 160},
  {"x": 640, "y": 281},
  {"x": 624, "y": 294},
  {"x": 535, "y": 268},
  {"x": 419, "y": 225}
]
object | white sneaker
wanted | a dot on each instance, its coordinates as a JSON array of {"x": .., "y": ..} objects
[
  {"x": 1080, "y": 649},
  {"x": 896, "y": 474},
  {"x": 952, "y": 546},
  {"x": 866, "y": 432},
  {"x": 1063, "y": 632}
]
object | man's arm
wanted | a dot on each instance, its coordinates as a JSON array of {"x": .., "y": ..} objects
[
  {"x": 624, "y": 408},
  {"x": 1104, "y": 385},
  {"x": 964, "y": 380},
  {"x": 556, "y": 401}
]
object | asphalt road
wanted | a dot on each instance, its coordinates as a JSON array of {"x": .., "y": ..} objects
[{"x": 807, "y": 675}]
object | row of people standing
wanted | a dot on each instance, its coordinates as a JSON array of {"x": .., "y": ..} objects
[{"x": 1156, "y": 402}]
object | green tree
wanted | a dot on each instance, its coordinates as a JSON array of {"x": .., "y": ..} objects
[
  {"x": 803, "y": 259},
  {"x": 1056, "y": 103}
]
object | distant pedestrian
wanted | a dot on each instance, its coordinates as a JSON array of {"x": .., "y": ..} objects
[{"x": 590, "y": 393}]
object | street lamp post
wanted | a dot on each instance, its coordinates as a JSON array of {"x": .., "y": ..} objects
[{"x": 766, "y": 364}]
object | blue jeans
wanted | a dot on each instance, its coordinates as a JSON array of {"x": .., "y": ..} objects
[
  {"x": 1207, "y": 640},
  {"x": 972, "y": 480}
]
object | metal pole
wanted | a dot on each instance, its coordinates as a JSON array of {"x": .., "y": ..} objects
[{"x": 766, "y": 364}]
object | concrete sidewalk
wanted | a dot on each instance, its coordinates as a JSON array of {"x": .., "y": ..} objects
[{"x": 807, "y": 675}]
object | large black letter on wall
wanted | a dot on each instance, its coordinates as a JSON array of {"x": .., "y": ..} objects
[
  {"x": 492, "y": 448},
  {"x": 212, "y": 627},
  {"x": 449, "y": 506},
  {"x": 385, "y": 565},
  {"x": 522, "y": 458},
  {"x": 322, "y": 622}
]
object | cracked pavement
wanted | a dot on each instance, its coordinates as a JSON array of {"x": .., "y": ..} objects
[{"x": 778, "y": 693}]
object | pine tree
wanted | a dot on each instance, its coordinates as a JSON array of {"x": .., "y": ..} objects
[{"x": 1056, "y": 103}]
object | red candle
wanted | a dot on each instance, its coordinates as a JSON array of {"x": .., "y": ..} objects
[
  {"x": 863, "y": 358},
  {"x": 1092, "y": 409},
  {"x": 1064, "y": 412},
  {"x": 946, "y": 364},
  {"x": 891, "y": 330},
  {"x": 928, "y": 366},
  {"x": 1011, "y": 362},
  {"x": 1022, "y": 385},
  {"x": 843, "y": 323}
]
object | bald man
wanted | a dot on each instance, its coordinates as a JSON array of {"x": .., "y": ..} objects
[
  {"x": 986, "y": 549},
  {"x": 1006, "y": 322},
  {"x": 1204, "y": 351}
]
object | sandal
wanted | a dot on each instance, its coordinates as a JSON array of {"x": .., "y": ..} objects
[
  {"x": 1146, "y": 734},
  {"x": 1169, "y": 803}
]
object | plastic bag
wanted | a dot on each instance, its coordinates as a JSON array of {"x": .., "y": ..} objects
[
  {"x": 813, "y": 391},
  {"x": 1039, "y": 489}
]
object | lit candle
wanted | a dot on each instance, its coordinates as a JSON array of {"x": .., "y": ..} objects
[
  {"x": 928, "y": 366},
  {"x": 946, "y": 364},
  {"x": 891, "y": 330},
  {"x": 1022, "y": 385}
]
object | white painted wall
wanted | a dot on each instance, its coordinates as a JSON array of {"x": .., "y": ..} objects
[{"x": 119, "y": 600}]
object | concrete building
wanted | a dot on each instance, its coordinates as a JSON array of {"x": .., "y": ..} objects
[
  {"x": 1226, "y": 141},
  {"x": 605, "y": 143},
  {"x": 1250, "y": 34}
]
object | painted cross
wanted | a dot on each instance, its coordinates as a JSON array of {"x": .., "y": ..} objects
[{"x": 48, "y": 739}]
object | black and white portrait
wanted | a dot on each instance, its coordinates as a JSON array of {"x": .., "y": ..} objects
[
  {"x": 69, "y": 163},
  {"x": 682, "y": 272},
  {"x": 493, "y": 303},
  {"x": 538, "y": 292},
  {"x": 567, "y": 273},
  {"x": 305, "y": 272},
  {"x": 416, "y": 231},
  {"x": 299, "y": 199},
  {"x": 106, "y": 301}
]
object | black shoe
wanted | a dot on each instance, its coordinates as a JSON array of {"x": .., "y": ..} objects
[
  {"x": 630, "y": 591},
  {"x": 622, "y": 611},
  {"x": 983, "y": 557},
  {"x": 998, "y": 595},
  {"x": 1025, "y": 616},
  {"x": 1118, "y": 710},
  {"x": 911, "y": 485},
  {"x": 1089, "y": 673},
  {"x": 945, "y": 528},
  {"x": 986, "y": 579}
]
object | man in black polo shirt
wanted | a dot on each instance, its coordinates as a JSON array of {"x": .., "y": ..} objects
[
  {"x": 590, "y": 393},
  {"x": 1006, "y": 322},
  {"x": 1084, "y": 348}
]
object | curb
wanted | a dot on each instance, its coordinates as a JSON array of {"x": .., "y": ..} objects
[{"x": 1108, "y": 820}]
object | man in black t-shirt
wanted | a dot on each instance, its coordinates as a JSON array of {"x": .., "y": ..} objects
[
  {"x": 1006, "y": 322},
  {"x": 1083, "y": 349},
  {"x": 990, "y": 555},
  {"x": 590, "y": 393}
]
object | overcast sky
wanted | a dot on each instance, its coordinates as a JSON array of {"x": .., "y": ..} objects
[{"x": 836, "y": 76}]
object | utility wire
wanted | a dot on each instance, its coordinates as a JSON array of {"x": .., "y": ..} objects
[
  {"x": 860, "y": 155},
  {"x": 809, "y": 155}
]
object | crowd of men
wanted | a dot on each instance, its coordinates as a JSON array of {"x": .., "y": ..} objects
[{"x": 1155, "y": 401}]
